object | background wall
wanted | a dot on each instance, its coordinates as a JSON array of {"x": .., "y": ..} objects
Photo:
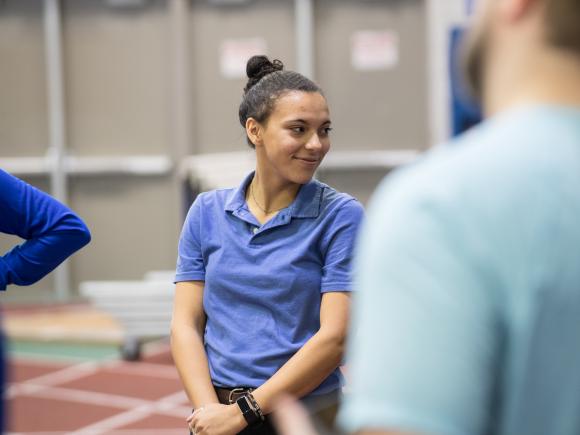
[
  {"x": 118, "y": 100},
  {"x": 382, "y": 109}
]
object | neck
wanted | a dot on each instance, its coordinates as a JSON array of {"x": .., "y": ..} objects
[
  {"x": 548, "y": 77},
  {"x": 269, "y": 194}
]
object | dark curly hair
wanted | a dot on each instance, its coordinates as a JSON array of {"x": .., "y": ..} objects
[{"x": 267, "y": 80}]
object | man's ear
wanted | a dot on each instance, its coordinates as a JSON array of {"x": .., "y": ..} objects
[
  {"x": 514, "y": 10},
  {"x": 254, "y": 131}
]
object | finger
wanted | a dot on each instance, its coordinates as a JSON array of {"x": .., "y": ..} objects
[
  {"x": 291, "y": 418},
  {"x": 194, "y": 414},
  {"x": 194, "y": 421}
]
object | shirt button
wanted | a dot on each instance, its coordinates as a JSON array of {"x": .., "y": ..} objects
[{"x": 255, "y": 230}]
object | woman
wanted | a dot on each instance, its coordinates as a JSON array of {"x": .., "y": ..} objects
[{"x": 263, "y": 271}]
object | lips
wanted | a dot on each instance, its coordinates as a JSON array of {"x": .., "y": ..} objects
[{"x": 309, "y": 160}]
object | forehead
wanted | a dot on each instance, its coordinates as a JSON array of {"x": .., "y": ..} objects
[{"x": 300, "y": 105}]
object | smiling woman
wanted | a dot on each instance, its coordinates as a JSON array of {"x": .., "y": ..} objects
[
  {"x": 264, "y": 270},
  {"x": 287, "y": 121}
]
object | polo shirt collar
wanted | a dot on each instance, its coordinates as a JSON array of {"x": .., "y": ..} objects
[
  {"x": 237, "y": 198},
  {"x": 306, "y": 204}
]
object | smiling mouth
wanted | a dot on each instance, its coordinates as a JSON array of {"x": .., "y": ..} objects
[{"x": 308, "y": 160}]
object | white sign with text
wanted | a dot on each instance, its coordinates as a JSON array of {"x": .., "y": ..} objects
[
  {"x": 234, "y": 54},
  {"x": 374, "y": 50}
]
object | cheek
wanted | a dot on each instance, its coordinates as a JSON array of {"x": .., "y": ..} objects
[
  {"x": 325, "y": 146},
  {"x": 282, "y": 153},
  {"x": 289, "y": 145}
]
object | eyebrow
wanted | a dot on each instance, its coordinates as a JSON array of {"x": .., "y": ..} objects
[{"x": 302, "y": 121}]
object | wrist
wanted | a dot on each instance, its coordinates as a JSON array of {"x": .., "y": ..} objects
[
  {"x": 237, "y": 417},
  {"x": 250, "y": 410},
  {"x": 262, "y": 399}
]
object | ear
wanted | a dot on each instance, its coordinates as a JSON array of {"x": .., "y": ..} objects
[
  {"x": 254, "y": 131},
  {"x": 514, "y": 10}
]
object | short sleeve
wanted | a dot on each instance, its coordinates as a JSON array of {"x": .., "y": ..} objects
[
  {"x": 190, "y": 263},
  {"x": 338, "y": 247},
  {"x": 422, "y": 348}
]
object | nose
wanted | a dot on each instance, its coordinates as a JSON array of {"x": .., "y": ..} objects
[{"x": 314, "y": 142}]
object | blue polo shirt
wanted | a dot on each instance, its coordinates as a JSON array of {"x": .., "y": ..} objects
[{"x": 263, "y": 283}]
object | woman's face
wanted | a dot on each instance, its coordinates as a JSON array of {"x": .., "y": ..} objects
[{"x": 295, "y": 138}]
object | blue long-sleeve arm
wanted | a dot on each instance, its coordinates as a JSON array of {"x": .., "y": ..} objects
[{"x": 51, "y": 230}]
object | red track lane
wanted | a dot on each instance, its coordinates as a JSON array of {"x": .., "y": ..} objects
[{"x": 112, "y": 397}]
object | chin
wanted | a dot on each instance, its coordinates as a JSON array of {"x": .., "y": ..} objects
[{"x": 301, "y": 178}]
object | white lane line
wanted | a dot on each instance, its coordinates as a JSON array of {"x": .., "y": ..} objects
[
  {"x": 136, "y": 414},
  {"x": 178, "y": 401},
  {"x": 169, "y": 405},
  {"x": 90, "y": 397},
  {"x": 177, "y": 397},
  {"x": 122, "y": 419},
  {"x": 38, "y": 386},
  {"x": 67, "y": 374},
  {"x": 77, "y": 371},
  {"x": 146, "y": 369}
]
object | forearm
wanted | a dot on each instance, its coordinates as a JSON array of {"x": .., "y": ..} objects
[
  {"x": 29, "y": 262},
  {"x": 305, "y": 371},
  {"x": 191, "y": 361}
]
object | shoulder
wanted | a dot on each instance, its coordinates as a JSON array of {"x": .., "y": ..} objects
[
  {"x": 332, "y": 201},
  {"x": 212, "y": 200},
  {"x": 503, "y": 160},
  {"x": 213, "y": 196}
]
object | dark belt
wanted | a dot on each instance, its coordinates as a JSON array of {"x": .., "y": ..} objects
[
  {"x": 227, "y": 396},
  {"x": 323, "y": 407}
]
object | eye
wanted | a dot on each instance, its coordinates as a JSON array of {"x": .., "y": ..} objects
[
  {"x": 326, "y": 130},
  {"x": 297, "y": 129}
]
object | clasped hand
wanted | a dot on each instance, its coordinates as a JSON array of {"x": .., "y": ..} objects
[{"x": 216, "y": 419}]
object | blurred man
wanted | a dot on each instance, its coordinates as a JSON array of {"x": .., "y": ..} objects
[
  {"x": 52, "y": 233},
  {"x": 468, "y": 316}
]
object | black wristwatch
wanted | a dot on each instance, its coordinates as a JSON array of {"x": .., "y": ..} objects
[{"x": 250, "y": 415}]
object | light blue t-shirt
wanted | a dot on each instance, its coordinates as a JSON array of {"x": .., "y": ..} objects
[
  {"x": 467, "y": 311},
  {"x": 264, "y": 283}
]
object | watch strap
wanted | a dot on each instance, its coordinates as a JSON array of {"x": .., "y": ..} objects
[{"x": 250, "y": 415}]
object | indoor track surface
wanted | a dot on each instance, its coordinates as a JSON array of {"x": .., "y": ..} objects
[{"x": 109, "y": 396}]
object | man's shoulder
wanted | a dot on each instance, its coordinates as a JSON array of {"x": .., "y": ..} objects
[
  {"x": 493, "y": 158},
  {"x": 510, "y": 162}
]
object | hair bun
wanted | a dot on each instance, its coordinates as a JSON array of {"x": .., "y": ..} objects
[{"x": 260, "y": 66}]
